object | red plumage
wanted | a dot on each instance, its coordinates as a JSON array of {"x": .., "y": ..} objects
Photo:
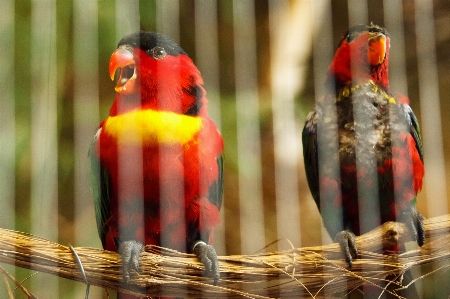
[
  {"x": 185, "y": 169},
  {"x": 378, "y": 137},
  {"x": 349, "y": 54},
  {"x": 362, "y": 146},
  {"x": 159, "y": 179}
]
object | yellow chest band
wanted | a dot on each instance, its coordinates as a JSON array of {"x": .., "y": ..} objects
[
  {"x": 347, "y": 91},
  {"x": 149, "y": 127}
]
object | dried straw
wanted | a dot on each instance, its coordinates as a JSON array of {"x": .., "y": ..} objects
[{"x": 309, "y": 272}]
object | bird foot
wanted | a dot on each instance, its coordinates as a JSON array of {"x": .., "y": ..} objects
[
  {"x": 347, "y": 241},
  {"x": 414, "y": 221},
  {"x": 208, "y": 257},
  {"x": 130, "y": 250}
]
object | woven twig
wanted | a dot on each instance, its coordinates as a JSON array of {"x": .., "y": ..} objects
[{"x": 309, "y": 272}]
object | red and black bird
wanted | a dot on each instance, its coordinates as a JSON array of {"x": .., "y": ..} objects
[
  {"x": 157, "y": 158},
  {"x": 362, "y": 146}
]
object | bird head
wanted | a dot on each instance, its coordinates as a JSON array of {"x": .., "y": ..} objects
[
  {"x": 362, "y": 55},
  {"x": 152, "y": 72}
]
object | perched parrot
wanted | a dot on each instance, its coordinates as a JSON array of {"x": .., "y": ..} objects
[
  {"x": 156, "y": 160},
  {"x": 368, "y": 141}
]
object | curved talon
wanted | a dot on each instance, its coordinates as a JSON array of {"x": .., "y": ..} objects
[
  {"x": 130, "y": 250},
  {"x": 83, "y": 273},
  {"x": 414, "y": 221},
  {"x": 347, "y": 241},
  {"x": 208, "y": 257}
]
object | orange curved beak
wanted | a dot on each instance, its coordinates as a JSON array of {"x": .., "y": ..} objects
[
  {"x": 377, "y": 49},
  {"x": 122, "y": 67}
]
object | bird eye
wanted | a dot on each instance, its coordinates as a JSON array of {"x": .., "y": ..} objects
[
  {"x": 158, "y": 53},
  {"x": 351, "y": 36}
]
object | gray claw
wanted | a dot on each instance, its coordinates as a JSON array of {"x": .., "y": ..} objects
[
  {"x": 414, "y": 221},
  {"x": 130, "y": 250},
  {"x": 347, "y": 241},
  {"x": 208, "y": 257}
]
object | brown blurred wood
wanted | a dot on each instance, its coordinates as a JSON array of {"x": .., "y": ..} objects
[{"x": 301, "y": 273}]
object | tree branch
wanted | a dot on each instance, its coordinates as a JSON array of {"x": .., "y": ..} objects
[{"x": 303, "y": 272}]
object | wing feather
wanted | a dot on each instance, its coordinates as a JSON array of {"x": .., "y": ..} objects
[
  {"x": 100, "y": 182},
  {"x": 310, "y": 156},
  {"x": 415, "y": 130}
]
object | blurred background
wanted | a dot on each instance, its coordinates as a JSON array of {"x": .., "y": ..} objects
[{"x": 264, "y": 63}]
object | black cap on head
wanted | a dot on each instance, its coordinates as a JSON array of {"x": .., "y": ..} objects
[
  {"x": 356, "y": 30},
  {"x": 146, "y": 41}
]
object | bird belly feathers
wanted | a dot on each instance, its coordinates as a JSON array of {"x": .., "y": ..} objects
[
  {"x": 378, "y": 162},
  {"x": 160, "y": 166}
]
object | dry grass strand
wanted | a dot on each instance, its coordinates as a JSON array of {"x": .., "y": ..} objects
[{"x": 309, "y": 272}]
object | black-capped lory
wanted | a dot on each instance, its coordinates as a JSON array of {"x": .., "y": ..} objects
[
  {"x": 157, "y": 158},
  {"x": 368, "y": 141}
]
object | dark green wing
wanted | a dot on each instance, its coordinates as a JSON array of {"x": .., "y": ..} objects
[
  {"x": 415, "y": 129},
  {"x": 215, "y": 193},
  {"x": 100, "y": 182},
  {"x": 310, "y": 156}
]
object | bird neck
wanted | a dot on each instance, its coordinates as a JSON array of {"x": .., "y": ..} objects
[
  {"x": 346, "y": 78},
  {"x": 124, "y": 104},
  {"x": 380, "y": 75},
  {"x": 190, "y": 101}
]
